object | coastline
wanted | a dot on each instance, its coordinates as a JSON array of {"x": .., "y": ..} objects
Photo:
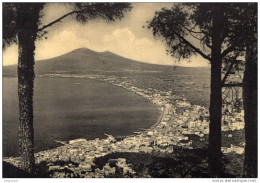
[
  {"x": 128, "y": 89},
  {"x": 117, "y": 85},
  {"x": 171, "y": 130},
  {"x": 75, "y": 150},
  {"x": 63, "y": 142}
]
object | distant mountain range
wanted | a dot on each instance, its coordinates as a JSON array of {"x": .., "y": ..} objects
[{"x": 84, "y": 60}]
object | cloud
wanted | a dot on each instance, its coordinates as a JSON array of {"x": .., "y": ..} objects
[
  {"x": 126, "y": 37},
  {"x": 10, "y": 55},
  {"x": 123, "y": 42},
  {"x": 63, "y": 42},
  {"x": 120, "y": 41}
]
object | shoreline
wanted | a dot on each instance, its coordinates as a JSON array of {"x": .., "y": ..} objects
[
  {"x": 171, "y": 130},
  {"x": 117, "y": 85},
  {"x": 158, "y": 107},
  {"x": 152, "y": 127},
  {"x": 61, "y": 143},
  {"x": 159, "y": 118}
]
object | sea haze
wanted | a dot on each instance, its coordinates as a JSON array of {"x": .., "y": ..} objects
[{"x": 69, "y": 108}]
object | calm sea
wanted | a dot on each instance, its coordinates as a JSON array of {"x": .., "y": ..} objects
[{"x": 68, "y": 108}]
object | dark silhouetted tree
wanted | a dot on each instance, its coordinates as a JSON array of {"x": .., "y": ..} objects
[
  {"x": 250, "y": 91},
  {"x": 244, "y": 32},
  {"x": 22, "y": 25},
  {"x": 205, "y": 29}
]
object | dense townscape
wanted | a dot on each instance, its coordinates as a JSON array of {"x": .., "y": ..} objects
[{"x": 179, "y": 121}]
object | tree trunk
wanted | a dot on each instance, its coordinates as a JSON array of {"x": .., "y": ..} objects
[
  {"x": 215, "y": 110},
  {"x": 250, "y": 103},
  {"x": 27, "y": 20}
]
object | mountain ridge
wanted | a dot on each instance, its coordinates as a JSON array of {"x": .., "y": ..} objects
[{"x": 84, "y": 60}]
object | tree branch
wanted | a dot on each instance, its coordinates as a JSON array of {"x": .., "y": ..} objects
[
  {"x": 228, "y": 72},
  {"x": 196, "y": 32},
  {"x": 233, "y": 85},
  {"x": 59, "y": 19},
  {"x": 228, "y": 50},
  {"x": 225, "y": 52},
  {"x": 194, "y": 36},
  {"x": 193, "y": 47},
  {"x": 191, "y": 33},
  {"x": 209, "y": 46}
]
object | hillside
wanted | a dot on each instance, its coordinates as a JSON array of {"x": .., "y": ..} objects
[{"x": 84, "y": 60}]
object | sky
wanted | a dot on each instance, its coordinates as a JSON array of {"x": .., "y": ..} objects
[{"x": 127, "y": 37}]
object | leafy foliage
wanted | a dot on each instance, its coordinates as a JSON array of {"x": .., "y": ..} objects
[
  {"x": 81, "y": 12},
  {"x": 171, "y": 26},
  {"x": 21, "y": 25},
  {"x": 186, "y": 29},
  {"x": 9, "y": 24},
  {"x": 188, "y": 24},
  {"x": 105, "y": 11}
]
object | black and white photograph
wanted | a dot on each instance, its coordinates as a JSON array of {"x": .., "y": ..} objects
[{"x": 130, "y": 90}]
